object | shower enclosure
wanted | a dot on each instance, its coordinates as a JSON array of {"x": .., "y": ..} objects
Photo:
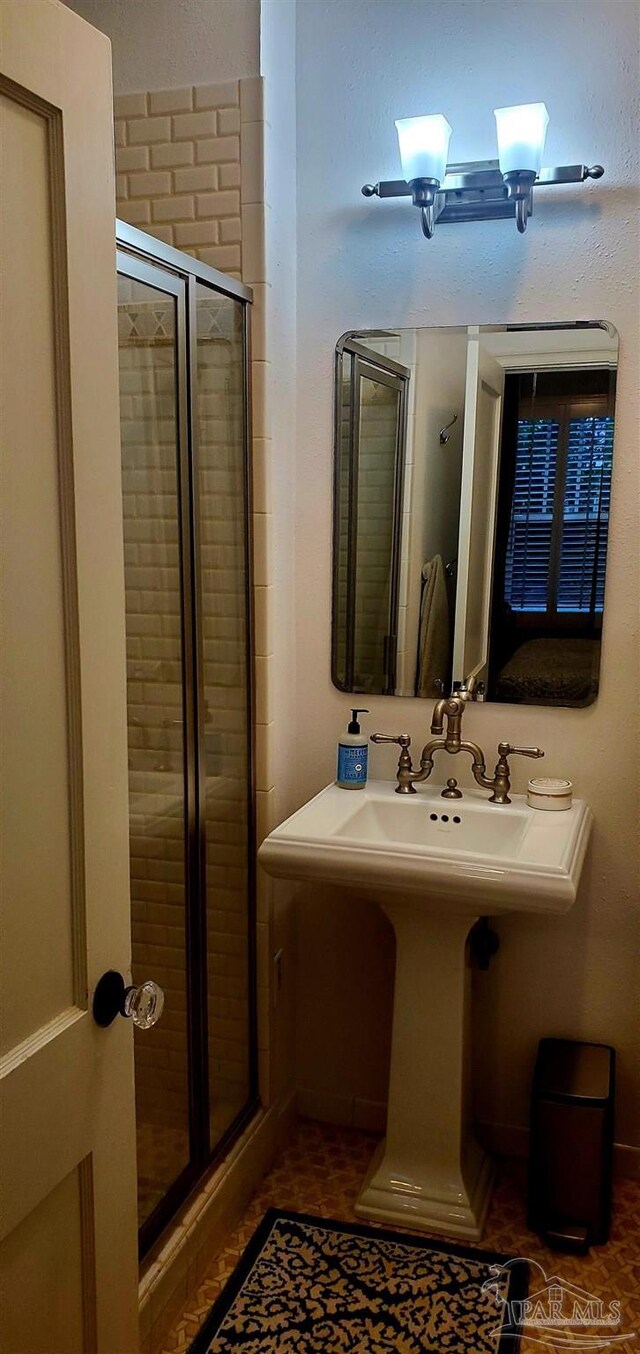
[
  {"x": 371, "y": 394},
  {"x": 183, "y": 345}
]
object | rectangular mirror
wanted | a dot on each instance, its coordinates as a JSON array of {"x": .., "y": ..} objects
[{"x": 472, "y": 478}]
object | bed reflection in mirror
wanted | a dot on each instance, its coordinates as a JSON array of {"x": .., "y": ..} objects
[{"x": 472, "y": 480}]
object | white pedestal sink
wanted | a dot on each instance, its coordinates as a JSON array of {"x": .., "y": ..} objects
[{"x": 434, "y": 865}]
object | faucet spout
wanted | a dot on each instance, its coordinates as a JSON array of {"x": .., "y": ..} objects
[
  {"x": 437, "y": 718},
  {"x": 450, "y": 708}
]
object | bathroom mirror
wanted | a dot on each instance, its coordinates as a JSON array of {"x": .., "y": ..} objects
[{"x": 472, "y": 476}]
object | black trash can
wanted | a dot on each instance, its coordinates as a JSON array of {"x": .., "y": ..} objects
[{"x": 571, "y": 1148}]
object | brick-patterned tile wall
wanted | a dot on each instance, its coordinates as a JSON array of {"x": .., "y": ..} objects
[{"x": 178, "y": 169}]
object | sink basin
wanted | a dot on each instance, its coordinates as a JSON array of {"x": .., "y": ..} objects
[
  {"x": 476, "y": 855},
  {"x": 434, "y": 866},
  {"x": 449, "y": 829}
]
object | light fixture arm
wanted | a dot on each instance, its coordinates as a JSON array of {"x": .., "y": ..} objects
[
  {"x": 519, "y": 185},
  {"x": 424, "y": 193},
  {"x": 477, "y": 191},
  {"x": 428, "y": 222}
]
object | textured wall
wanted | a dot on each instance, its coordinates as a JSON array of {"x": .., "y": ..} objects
[
  {"x": 162, "y": 44},
  {"x": 275, "y": 453},
  {"x": 365, "y": 264}
]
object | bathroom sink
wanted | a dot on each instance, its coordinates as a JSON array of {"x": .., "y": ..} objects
[
  {"x": 476, "y": 855},
  {"x": 434, "y": 866}
]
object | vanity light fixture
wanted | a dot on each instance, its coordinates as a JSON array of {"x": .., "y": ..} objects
[
  {"x": 424, "y": 144},
  {"x": 480, "y": 190}
]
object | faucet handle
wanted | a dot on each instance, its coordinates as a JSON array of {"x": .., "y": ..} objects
[
  {"x": 405, "y": 765},
  {"x": 508, "y": 750},
  {"x": 402, "y": 739},
  {"x": 502, "y": 778}
]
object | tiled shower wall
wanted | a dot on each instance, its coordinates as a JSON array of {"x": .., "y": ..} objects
[
  {"x": 178, "y": 167},
  {"x": 190, "y": 172}
]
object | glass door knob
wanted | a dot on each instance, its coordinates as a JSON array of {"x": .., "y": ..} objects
[{"x": 144, "y": 1004}]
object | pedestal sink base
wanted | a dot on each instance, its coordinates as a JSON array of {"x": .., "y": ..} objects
[
  {"x": 431, "y": 1173},
  {"x": 461, "y": 1213}
]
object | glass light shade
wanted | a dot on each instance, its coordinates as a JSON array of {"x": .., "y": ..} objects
[
  {"x": 424, "y": 145},
  {"x": 521, "y": 136}
]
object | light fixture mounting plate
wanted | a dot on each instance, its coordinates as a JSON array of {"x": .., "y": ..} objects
[{"x": 476, "y": 190}]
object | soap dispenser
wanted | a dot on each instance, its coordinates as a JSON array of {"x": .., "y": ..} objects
[{"x": 353, "y": 751}]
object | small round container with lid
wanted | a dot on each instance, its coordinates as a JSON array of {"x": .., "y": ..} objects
[{"x": 550, "y": 793}]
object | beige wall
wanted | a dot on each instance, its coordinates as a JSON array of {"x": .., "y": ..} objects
[
  {"x": 164, "y": 44},
  {"x": 365, "y": 264},
  {"x": 275, "y": 453}
]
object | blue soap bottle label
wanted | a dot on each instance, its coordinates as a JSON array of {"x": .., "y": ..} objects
[{"x": 352, "y": 764}]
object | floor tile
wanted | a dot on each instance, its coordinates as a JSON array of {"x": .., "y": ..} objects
[{"x": 321, "y": 1172}]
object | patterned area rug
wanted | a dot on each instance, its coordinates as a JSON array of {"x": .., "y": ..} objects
[{"x": 308, "y": 1285}]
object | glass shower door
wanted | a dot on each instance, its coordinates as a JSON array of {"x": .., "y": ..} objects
[
  {"x": 184, "y": 396},
  {"x": 222, "y": 496},
  {"x": 148, "y": 352}
]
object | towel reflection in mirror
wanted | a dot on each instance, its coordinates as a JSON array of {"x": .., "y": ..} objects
[{"x": 434, "y": 647}]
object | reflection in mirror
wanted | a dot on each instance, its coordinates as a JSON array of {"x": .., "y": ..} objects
[{"x": 471, "y": 510}]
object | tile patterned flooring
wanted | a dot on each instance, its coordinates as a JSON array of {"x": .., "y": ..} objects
[
  {"x": 163, "y": 1152},
  {"x": 321, "y": 1172}
]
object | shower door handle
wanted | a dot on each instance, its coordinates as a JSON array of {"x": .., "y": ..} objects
[{"x": 143, "y": 1004}]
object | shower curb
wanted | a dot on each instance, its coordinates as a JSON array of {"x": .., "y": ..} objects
[{"x": 174, "y": 1270}]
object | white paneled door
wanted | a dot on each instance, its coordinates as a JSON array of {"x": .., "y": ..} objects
[{"x": 67, "y": 1195}]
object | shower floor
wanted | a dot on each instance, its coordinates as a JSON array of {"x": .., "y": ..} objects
[{"x": 163, "y": 1153}]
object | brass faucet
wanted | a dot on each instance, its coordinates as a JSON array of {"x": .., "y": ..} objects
[{"x": 451, "y": 710}]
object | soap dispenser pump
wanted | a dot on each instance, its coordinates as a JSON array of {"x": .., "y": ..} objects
[{"x": 353, "y": 751}]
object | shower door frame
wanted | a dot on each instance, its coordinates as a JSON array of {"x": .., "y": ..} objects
[
  {"x": 365, "y": 362},
  {"x": 150, "y": 261}
]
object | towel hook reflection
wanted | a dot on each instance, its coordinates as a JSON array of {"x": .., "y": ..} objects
[{"x": 444, "y": 434}]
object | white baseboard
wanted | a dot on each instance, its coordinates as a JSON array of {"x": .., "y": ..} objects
[
  {"x": 626, "y": 1161},
  {"x": 326, "y": 1107},
  {"x": 347, "y": 1111},
  {"x": 509, "y": 1140},
  {"x": 506, "y": 1140}
]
